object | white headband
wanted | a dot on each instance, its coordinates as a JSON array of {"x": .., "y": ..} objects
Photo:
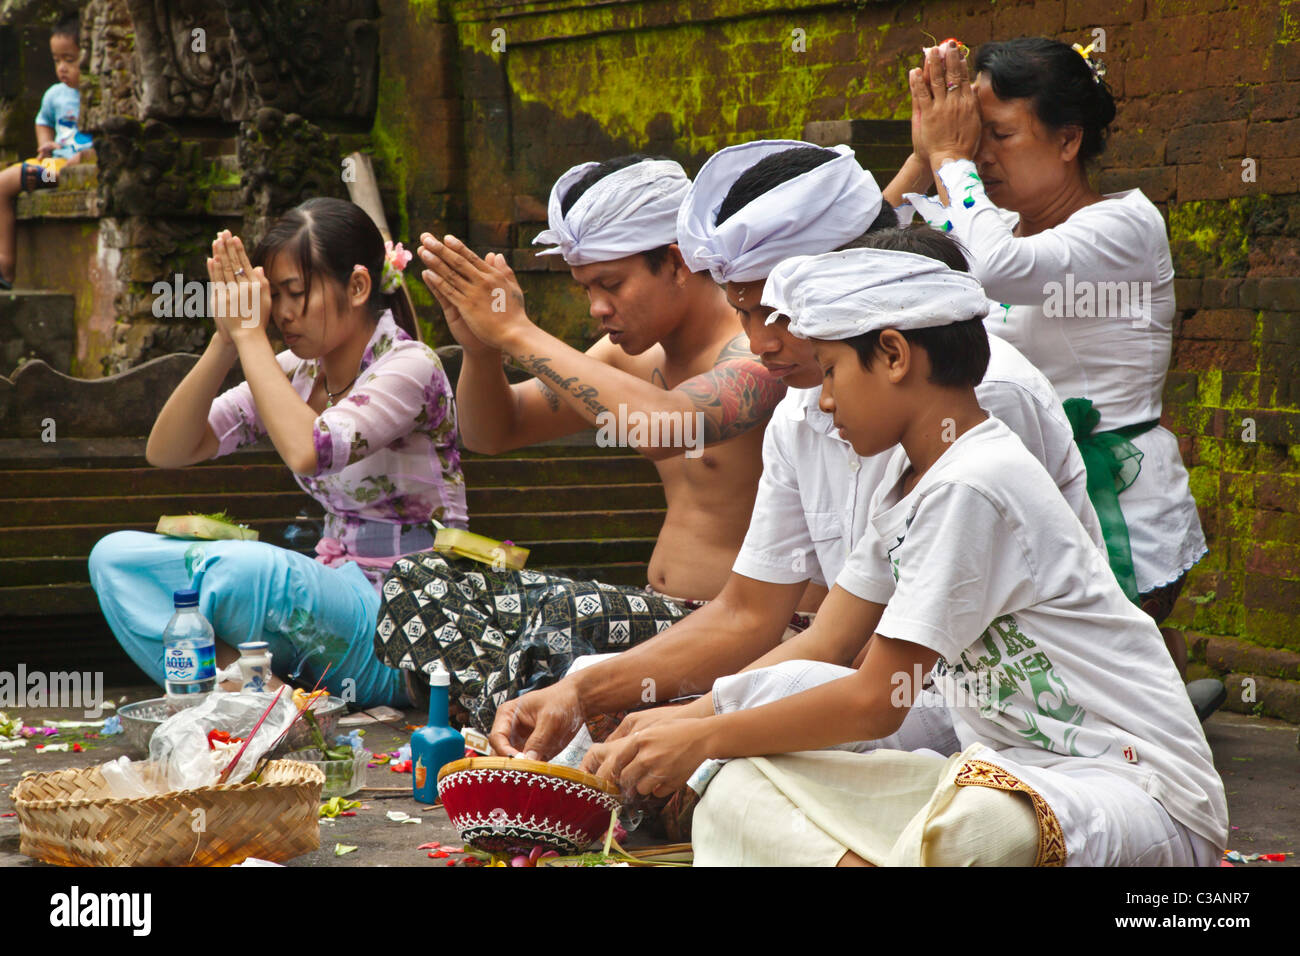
[
  {"x": 633, "y": 209},
  {"x": 815, "y": 212},
  {"x": 842, "y": 294}
]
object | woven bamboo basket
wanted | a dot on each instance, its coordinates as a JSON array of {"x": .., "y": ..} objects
[{"x": 70, "y": 818}]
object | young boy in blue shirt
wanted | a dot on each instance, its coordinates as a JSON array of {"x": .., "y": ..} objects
[{"x": 59, "y": 141}]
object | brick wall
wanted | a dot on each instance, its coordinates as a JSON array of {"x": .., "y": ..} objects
[{"x": 1201, "y": 84}]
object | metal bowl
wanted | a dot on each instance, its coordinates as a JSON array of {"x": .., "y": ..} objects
[{"x": 141, "y": 719}]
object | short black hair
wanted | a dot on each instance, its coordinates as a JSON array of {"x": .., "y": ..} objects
[
  {"x": 654, "y": 258},
  {"x": 919, "y": 239},
  {"x": 777, "y": 168},
  {"x": 69, "y": 26},
  {"x": 1057, "y": 80},
  {"x": 959, "y": 351}
]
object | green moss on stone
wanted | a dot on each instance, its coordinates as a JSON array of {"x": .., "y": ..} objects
[
  {"x": 392, "y": 136},
  {"x": 1219, "y": 230}
]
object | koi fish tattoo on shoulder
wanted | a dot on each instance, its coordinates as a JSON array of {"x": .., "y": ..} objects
[{"x": 736, "y": 395}]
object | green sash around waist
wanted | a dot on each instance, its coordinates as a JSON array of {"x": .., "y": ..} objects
[{"x": 1113, "y": 463}]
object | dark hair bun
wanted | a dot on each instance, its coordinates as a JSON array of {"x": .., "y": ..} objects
[{"x": 1059, "y": 82}]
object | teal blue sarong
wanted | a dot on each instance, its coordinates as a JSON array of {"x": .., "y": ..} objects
[{"x": 310, "y": 614}]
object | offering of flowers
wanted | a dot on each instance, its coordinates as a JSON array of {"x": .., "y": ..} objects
[
  {"x": 211, "y": 527},
  {"x": 501, "y": 555},
  {"x": 304, "y": 702},
  {"x": 962, "y": 48}
]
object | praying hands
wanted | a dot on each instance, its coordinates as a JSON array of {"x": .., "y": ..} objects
[
  {"x": 481, "y": 298},
  {"x": 241, "y": 294},
  {"x": 946, "y": 112}
]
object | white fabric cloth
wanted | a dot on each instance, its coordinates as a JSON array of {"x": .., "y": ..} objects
[
  {"x": 817, "y": 211},
  {"x": 904, "y": 808},
  {"x": 633, "y": 209},
  {"x": 1083, "y": 272},
  {"x": 813, "y": 496},
  {"x": 927, "y": 726},
  {"x": 891, "y": 808},
  {"x": 1042, "y": 658},
  {"x": 841, "y": 294}
]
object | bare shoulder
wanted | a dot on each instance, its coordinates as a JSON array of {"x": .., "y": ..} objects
[
  {"x": 736, "y": 395},
  {"x": 736, "y": 348},
  {"x": 647, "y": 366}
]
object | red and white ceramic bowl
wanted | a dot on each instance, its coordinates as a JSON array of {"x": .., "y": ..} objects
[{"x": 502, "y": 804}]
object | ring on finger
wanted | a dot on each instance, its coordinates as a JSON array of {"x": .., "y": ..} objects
[
  {"x": 239, "y": 271},
  {"x": 952, "y": 86}
]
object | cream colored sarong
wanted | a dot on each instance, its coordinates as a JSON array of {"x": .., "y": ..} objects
[{"x": 892, "y": 808}]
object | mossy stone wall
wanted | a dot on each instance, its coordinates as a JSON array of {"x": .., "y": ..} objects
[{"x": 1208, "y": 93}]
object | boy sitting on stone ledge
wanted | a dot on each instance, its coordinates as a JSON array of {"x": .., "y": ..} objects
[{"x": 60, "y": 143}]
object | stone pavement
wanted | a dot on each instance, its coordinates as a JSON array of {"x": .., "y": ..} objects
[{"x": 1258, "y": 758}]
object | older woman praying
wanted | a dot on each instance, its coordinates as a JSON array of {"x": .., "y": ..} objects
[{"x": 1083, "y": 282}]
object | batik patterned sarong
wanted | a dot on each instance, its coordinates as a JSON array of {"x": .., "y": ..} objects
[{"x": 500, "y": 632}]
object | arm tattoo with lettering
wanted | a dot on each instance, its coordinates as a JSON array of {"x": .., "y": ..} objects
[
  {"x": 540, "y": 365},
  {"x": 551, "y": 398},
  {"x": 736, "y": 395}
]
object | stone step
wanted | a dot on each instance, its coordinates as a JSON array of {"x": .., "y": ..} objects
[
  {"x": 41, "y": 599},
  {"x": 859, "y": 132},
  {"x": 24, "y": 572},
  {"x": 46, "y": 482},
  {"x": 31, "y": 572},
  {"x": 69, "y": 598},
  {"x": 115, "y": 453},
  {"x": 523, "y": 529},
  {"x": 244, "y": 506}
]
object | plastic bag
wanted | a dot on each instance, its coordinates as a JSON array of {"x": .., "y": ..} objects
[
  {"x": 127, "y": 780},
  {"x": 180, "y": 749}
]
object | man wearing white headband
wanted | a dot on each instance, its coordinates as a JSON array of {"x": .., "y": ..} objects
[
  {"x": 1078, "y": 744},
  {"x": 672, "y": 376},
  {"x": 739, "y": 221}
]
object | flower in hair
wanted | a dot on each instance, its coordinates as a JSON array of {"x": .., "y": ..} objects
[
  {"x": 395, "y": 261},
  {"x": 1097, "y": 67}
]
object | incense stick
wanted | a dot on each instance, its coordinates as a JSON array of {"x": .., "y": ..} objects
[{"x": 275, "y": 700}]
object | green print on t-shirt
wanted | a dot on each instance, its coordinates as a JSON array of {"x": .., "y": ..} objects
[{"x": 1021, "y": 671}]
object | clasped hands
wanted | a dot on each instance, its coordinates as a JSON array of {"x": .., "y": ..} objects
[
  {"x": 946, "y": 120},
  {"x": 480, "y": 297},
  {"x": 240, "y": 295}
]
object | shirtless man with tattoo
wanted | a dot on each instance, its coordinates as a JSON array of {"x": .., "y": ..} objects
[
  {"x": 673, "y": 351},
  {"x": 672, "y": 345}
]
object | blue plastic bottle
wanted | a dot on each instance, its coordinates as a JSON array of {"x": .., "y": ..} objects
[
  {"x": 435, "y": 745},
  {"x": 189, "y": 653}
]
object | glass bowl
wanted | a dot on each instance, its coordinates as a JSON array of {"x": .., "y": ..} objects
[{"x": 342, "y": 777}]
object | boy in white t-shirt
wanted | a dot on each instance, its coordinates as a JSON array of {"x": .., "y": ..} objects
[{"x": 975, "y": 572}]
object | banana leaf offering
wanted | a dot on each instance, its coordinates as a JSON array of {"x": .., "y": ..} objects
[
  {"x": 501, "y": 555},
  {"x": 212, "y": 527}
]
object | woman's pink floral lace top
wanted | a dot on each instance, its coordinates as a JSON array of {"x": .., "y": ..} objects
[{"x": 386, "y": 453}]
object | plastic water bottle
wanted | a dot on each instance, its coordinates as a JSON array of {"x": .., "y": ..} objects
[
  {"x": 437, "y": 744},
  {"x": 189, "y": 653}
]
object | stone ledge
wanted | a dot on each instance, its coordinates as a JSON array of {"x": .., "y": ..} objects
[
  {"x": 1228, "y": 654},
  {"x": 1273, "y": 674},
  {"x": 59, "y": 204}
]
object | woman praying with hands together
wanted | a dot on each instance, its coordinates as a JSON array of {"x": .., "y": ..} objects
[
  {"x": 1082, "y": 283},
  {"x": 359, "y": 410}
]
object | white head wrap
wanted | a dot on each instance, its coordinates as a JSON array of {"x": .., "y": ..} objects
[
  {"x": 842, "y": 294},
  {"x": 633, "y": 209},
  {"x": 815, "y": 212}
]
